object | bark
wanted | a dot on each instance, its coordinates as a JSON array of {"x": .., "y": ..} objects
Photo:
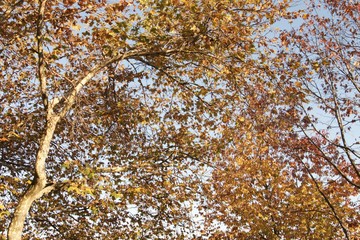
[{"x": 39, "y": 185}]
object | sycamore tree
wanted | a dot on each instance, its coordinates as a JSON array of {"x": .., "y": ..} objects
[
  {"x": 127, "y": 119},
  {"x": 112, "y": 112},
  {"x": 293, "y": 169}
]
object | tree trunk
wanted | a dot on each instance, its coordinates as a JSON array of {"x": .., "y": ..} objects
[{"x": 39, "y": 185}]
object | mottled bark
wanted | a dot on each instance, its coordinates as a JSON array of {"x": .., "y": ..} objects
[{"x": 39, "y": 185}]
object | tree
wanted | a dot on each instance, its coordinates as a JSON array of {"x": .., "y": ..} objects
[
  {"x": 327, "y": 51},
  {"x": 300, "y": 180},
  {"x": 325, "y": 60},
  {"x": 122, "y": 119},
  {"x": 111, "y": 105}
]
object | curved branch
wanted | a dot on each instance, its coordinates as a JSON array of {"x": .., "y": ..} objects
[{"x": 39, "y": 186}]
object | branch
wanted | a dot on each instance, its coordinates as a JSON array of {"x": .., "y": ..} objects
[
  {"x": 40, "y": 53},
  {"x": 341, "y": 128},
  {"x": 111, "y": 169},
  {"x": 327, "y": 202},
  {"x": 323, "y": 155},
  {"x": 39, "y": 185},
  {"x": 70, "y": 98}
]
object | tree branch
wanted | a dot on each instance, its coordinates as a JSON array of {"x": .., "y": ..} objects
[
  {"x": 39, "y": 185},
  {"x": 327, "y": 202}
]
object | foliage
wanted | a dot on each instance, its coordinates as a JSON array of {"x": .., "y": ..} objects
[
  {"x": 121, "y": 119},
  {"x": 301, "y": 178}
]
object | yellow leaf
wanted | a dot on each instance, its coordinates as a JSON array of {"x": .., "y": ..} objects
[
  {"x": 76, "y": 27},
  {"x": 194, "y": 28},
  {"x": 298, "y": 84}
]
